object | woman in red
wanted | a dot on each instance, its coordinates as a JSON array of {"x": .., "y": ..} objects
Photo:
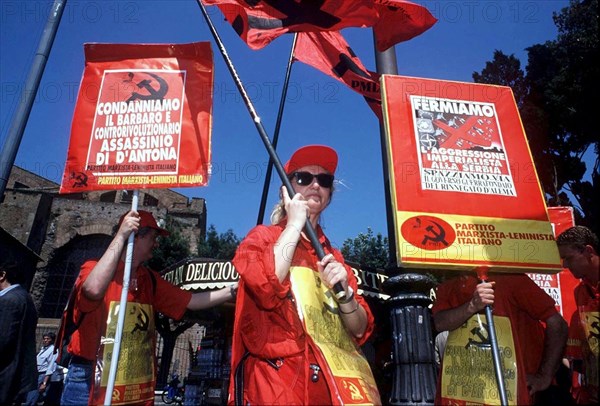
[{"x": 292, "y": 342}]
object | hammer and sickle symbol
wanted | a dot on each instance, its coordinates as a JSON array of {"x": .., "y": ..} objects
[
  {"x": 439, "y": 235},
  {"x": 595, "y": 329},
  {"x": 483, "y": 341},
  {"x": 144, "y": 321},
  {"x": 79, "y": 179},
  {"x": 354, "y": 391},
  {"x": 326, "y": 305},
  {"x": 153, "y": 94}
]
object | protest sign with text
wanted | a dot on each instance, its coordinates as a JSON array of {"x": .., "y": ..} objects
[
  {"x": 464, "y": 188},
  {"x": 143, "y": 118},
  {"x": 560, "y": 286}
]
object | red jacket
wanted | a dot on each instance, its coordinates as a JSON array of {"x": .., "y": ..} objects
[{"x": 267, "y": 324}]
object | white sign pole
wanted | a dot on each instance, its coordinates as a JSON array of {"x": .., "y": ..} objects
[{"x": 114, "y": 361}]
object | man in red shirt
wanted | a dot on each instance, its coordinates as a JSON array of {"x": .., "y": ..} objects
[
  {"x": 97, "y": 295},
  {"x": 578, "y": 248},
  {"x": 530, "y": 354}
]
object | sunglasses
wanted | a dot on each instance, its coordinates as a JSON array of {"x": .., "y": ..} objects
[{"x": 306, "y": 179}]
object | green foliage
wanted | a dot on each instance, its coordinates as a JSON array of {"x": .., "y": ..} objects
[
  {"x": 218, "y": 246},
  {"x": 504, "y": 70},
  {"x": 171, "y": 249},
  {"x": 557, "y": 108},
  {"x": 367, "y": 250}
]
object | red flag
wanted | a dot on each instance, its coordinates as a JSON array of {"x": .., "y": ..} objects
[
  {"x": 330, "y": 53},
  {"x": 399, "y": 21},
  {"x": 258, "y": 22}
]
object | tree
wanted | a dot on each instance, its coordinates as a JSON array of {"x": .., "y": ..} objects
[
  {"x": 218, "y": 246},
  {"x": 557, "y": 109},
  {"x": 169, "y": 330},
  {"x": 563, "y": 78},
  {"x": 171, "y": 249},
  {"x": 505, "y": 70},
  {"x": 367, "y": 250}
]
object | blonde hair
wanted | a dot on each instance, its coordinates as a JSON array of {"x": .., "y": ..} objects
[{"x": 278, "y": 213}]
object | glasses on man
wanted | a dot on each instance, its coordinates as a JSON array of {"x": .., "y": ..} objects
[{"x": 307, "y": 178}]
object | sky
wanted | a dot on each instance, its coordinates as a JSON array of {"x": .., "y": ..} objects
[{"x": 318, "y": 110}]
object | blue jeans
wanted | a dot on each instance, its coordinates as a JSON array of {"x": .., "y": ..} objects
[
  {"x": 76, "y": 390},
  {"x": 35, "y": 395}
]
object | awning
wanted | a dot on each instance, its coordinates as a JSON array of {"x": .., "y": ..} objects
[{"x": 198, "y": 274}]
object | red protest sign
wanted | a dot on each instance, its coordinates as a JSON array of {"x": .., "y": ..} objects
[
  {"x": 562, "y": 285},
  {"x": 464, "y": 188},
  {"x": 143, "y": 118}
]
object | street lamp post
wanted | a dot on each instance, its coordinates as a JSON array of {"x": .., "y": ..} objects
[{"x": 415, "y": 372}]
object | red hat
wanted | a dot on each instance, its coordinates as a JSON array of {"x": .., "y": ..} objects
[
  {"x": 147, "y": 220},
  {"x": 320, "y": 155}
]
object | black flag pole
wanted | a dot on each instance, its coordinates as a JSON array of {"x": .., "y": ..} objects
[
  {"x": 482, "y": 275},
  {"x": 265, "y": 192},
  {"x": 308, "y": 228}
]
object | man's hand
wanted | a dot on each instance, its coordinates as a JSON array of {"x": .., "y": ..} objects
[
  {"x": 483, "y": 295},
  {"x": 537, "y": 383},
  {"x": 451, "y": 319},
  {"x": 130, "y": 224},
  {"x": 554, "y": 343}
]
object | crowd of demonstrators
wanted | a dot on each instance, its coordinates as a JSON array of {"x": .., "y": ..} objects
[
  {"x": 97, "y": 294},
  {"x": 579, "y": 249},
  {"x": 18, "y": 321},
  {"x": 531, "y": 353},
  {"x": 46, "y": 358},
  {"x": 275, "y": 357}
]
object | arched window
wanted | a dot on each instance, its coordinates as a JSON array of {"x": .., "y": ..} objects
[
  {"x": 63, "y": 269},
  {"x": 108, "y": 197},
  {"x": 150, "y": 200}
]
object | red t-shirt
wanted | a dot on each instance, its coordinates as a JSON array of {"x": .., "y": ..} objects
[
  {"x": 165, "y": 298},
  {"x": 523, "y": 302},
  {"x": 266, "y": 321}
]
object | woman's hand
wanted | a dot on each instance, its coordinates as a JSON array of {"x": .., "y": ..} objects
[
  {"x": 332, "y": 272},
  {"x": 352, "y": 313},
  {"x": 296, "y": 208}
]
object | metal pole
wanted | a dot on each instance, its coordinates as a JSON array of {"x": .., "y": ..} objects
[
  {"x": 17, "y": 128},
  {"x": 308, "y": 228},
  {"x": 385, "y": 63},
  {"x": 482, "y": 275},
  {"x": 414, "y": 377},
  {"x": 265, "y": 192},
  {"x": 114, "y": 361}
]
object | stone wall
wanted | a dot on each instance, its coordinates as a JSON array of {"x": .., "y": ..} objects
[{"x": 34, "y": 213}]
